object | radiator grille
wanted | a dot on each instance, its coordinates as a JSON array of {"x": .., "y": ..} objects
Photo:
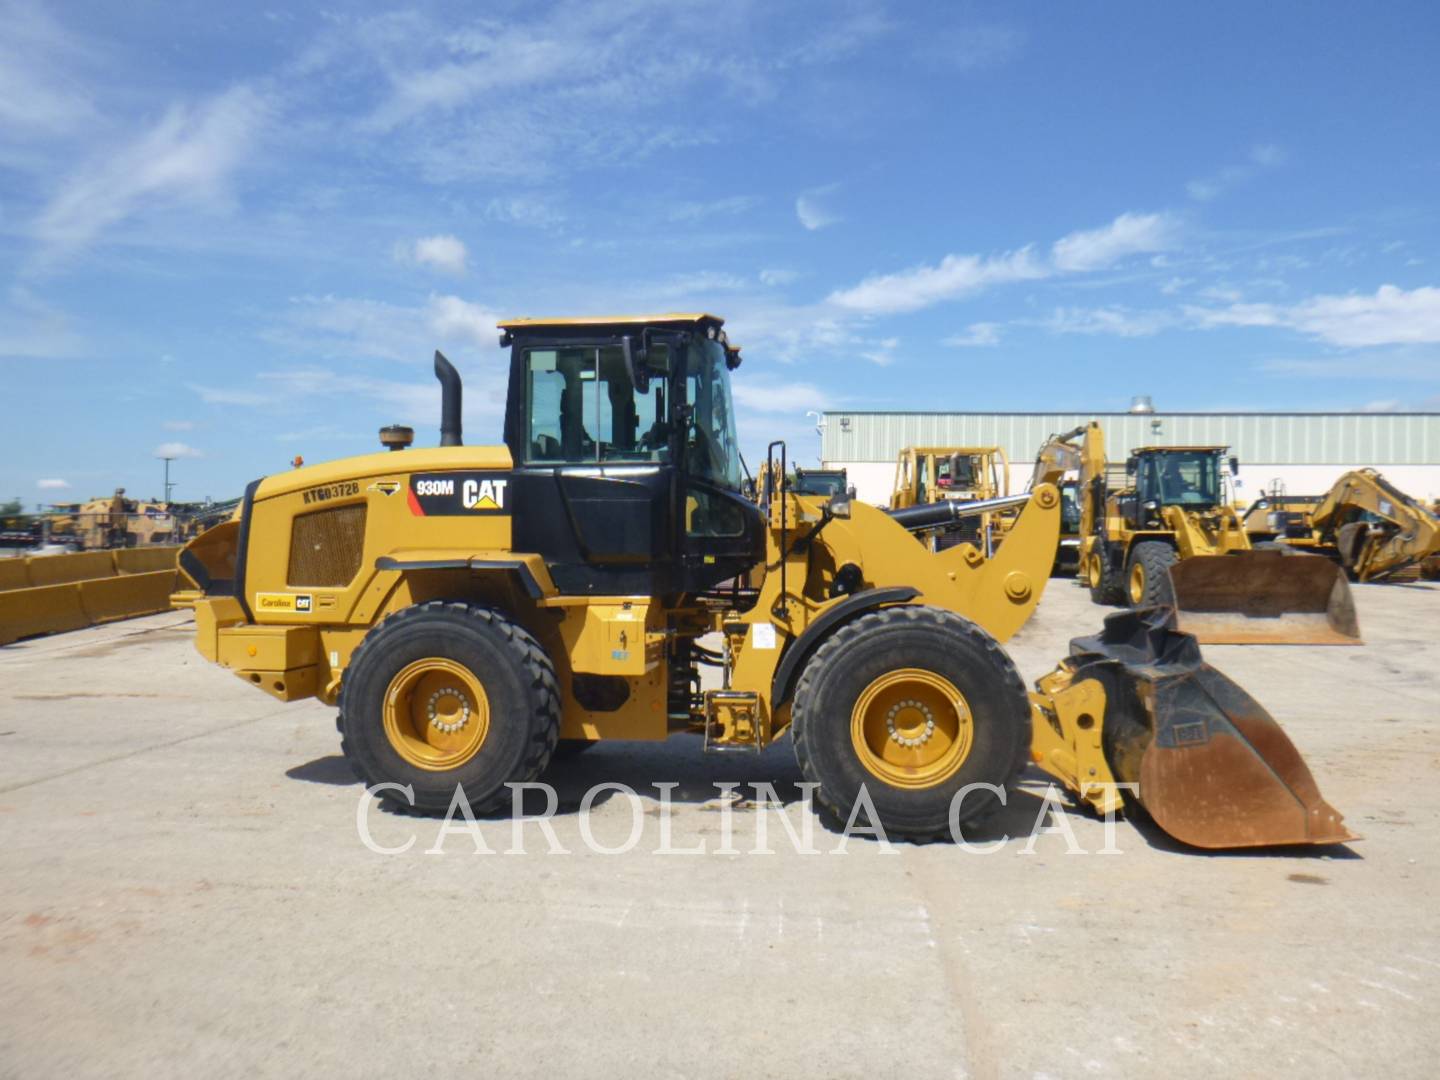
[{"x": 326, "y": 546}]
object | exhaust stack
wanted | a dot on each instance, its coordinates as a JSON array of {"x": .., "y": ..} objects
[{"x": 449, "y": 400}]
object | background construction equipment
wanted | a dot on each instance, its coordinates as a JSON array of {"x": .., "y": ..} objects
[
  {"x": 1365, "y": 523},
  {"x": 1170, "y": 537}
]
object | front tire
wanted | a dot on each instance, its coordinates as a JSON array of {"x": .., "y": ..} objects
[
  {"x": 1105, "y": 585},
  {"x": 1147, "y": 575},
  {"x": 444, "y": 694},
  {"x": 913, "y": 704}
]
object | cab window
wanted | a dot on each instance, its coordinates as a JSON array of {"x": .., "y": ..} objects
[{"x": 582, "y": 407}]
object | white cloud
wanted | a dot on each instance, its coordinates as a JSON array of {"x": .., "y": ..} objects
[
  {"x": 1405, "y": 363},
  {"x": 444, "y": 253},
  {"x": 976, "y": 336},
  {"x": 460, "y": 322},
  {"x": 959, "y": 275},
  {"x": 187, "y": 156},
  {"x": 695, "y": 288},
  {"x": 973, "y": 48},
  {"x": 1128, "y": 234},
  {"x": 777, "y": 277},
  {"x": 227, "y": 395},
  {"x": 726, "y": 207},
  {"x": 40, "y": 94},
  {"x": 33, "y": 329},
  {"x": 349, "y": 327},
  {"x": 176, "y": 450},
  {"x": 811, "y": 210},
  {"x": 921, "y": 286},
  {"x": 529, "y": 211},
  {"x": 881, "y": 353},
  {"x": 765, "y": 394},
  {"x": 53, "y": 484},
  {"x": 1392, "y": 316},
  {"x": 1118, "y": 321},
  {"x": 353, "y": 330},
  {"x": 1260, "y": 159},
  {"x": 537, "y": 90}
]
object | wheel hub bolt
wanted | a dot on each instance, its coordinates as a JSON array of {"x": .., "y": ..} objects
[
  {"x": 451, "y": 726},
  {"x": 910, "y": 741}
]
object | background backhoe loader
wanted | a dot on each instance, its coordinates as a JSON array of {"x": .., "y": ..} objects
[
  {"x": 1366, "y": 524},
  {"x": 469, "y": 607},
  {"x": 1169, "y": 537}
]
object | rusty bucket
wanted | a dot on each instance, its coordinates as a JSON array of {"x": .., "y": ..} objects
[
  {"x": 1213, "y": 768},
  {"x": 1264, "y": 598}
]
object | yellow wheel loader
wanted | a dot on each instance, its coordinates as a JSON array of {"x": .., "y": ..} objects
[
  {"x": 1366, "y": 524},
  {"x": 470, "y": 608},
  {"x": 1169, "y": 538}
]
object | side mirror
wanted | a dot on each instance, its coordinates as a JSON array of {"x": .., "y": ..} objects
[
  {"x": 1234, "y": 466},
  {"x": 839, "y": 504},
  {"x": 655, "y": 358},
  {"x": 1132, "y": 466},
  {"x": 635, "y": 364}
]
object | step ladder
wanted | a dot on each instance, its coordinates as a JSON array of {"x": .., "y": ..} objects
[{"x": 732, "y": 722}]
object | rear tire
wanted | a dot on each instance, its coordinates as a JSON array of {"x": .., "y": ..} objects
[
  {"x": 913, "y": 704},
  {"x": 1147, "y": 575},
  {"x": 444, "y": 694}
]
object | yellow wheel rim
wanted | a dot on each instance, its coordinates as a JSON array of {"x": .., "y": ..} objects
[
  {"x": 436, "y": 714},
  {"x": 912, "y": 728},
  {"x": 1137, "y": 583},
  {"x": 1092, "y": 573}
]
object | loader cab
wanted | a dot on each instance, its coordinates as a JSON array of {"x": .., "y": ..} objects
[
  {"x": 627, "y": 475},
  {"x": 1185, "y": 476}
]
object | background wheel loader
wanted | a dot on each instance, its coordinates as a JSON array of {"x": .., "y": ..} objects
[
  {"x": 1366, "y": 524},
  {"x": 1168, "y": 537},
  {"x": 469, "y": 607}
]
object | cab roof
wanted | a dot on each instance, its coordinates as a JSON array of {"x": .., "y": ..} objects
[
  {"x": 665, "y": 318},
  {"x": 1167, "y": 449}
]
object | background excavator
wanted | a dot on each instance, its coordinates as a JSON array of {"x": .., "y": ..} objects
[
  {"x": 1366, "y": 524},
  {"x": 1168, "y": 537},
  {"x": 468, "y": 608}
]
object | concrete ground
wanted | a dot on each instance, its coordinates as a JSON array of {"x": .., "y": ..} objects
[{"x": 183, "y": 892}]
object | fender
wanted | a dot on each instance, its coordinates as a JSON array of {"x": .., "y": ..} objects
[{"x": 788, "y": 671}]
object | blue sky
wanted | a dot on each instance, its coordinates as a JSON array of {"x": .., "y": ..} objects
[{"x": 240, "y": 231}]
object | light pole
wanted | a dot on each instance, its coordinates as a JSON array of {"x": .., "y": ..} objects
[{"x": 168, "y": 485}]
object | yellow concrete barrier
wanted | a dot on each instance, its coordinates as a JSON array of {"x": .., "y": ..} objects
[
  {"x": 43, "y": 610},
  {"x": 14, "y": 574},
  {"x": 46, "y": 594},
  {"x": 107, "y": 599},
  {"x": 59, "y": 569},
  {"x": 145, "y": 560}
]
